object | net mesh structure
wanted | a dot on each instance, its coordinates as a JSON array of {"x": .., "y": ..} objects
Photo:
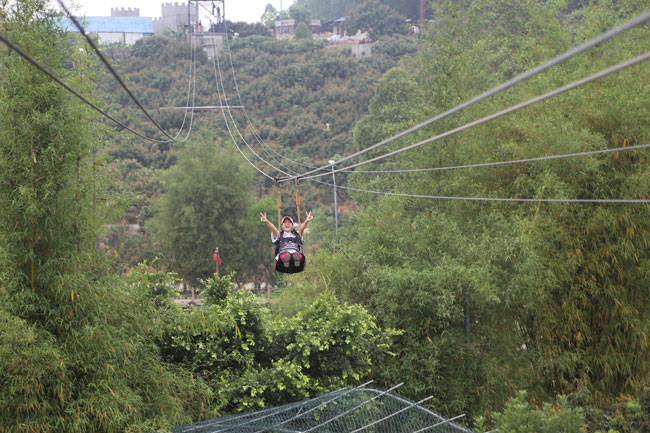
[{"x": 343, "y": 411}]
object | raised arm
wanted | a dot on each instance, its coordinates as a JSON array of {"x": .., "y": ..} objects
[
  {"x": 274, "y": 231},
  {"x": 302, "y": 227}
]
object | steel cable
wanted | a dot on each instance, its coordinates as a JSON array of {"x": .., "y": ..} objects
[{"x": 634, "y": 22}]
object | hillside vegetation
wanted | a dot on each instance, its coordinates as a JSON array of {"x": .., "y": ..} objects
[{"x": 527, "y": 316}]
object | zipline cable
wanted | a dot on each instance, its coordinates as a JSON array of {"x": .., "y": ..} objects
[
  {"x": 533, "y": 200},
  {"x": 634, "y": 22},
  {"x": 219, "y": 79},
  {"x": 223, "y": 112},
  {"x": 248, "y": 120},
  {"x": 565, "y": 88},
  {"x": 71, "y": 90},
  {"x": 514, "y": 161},
  {"x": 221, "y": 88},
  {"x": 571, "y": 86},
  {"x": 53, "y": 77},
  {"x": 113, "y": 72}
]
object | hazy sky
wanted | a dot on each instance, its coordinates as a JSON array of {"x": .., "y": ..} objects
[{"x": 236, "y": 10}]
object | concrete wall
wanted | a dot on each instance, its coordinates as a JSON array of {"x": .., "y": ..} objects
[
  {"x": 212, "y": 43},
  {"x": 122, "y": 12},
  {"x": 285, "y": 27},
  {"x": 361, "y": 50},
  {"x": 358, "y": 50},
  {"x": 119, "y": 38},
  {"x": 174, "y": 17}
]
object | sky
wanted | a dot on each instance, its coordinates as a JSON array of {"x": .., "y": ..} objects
[{"x": 236, "y": 10}]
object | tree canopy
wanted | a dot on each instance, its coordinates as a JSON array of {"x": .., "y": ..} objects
[
  {"x": 496, "y": 297},
  {"x": 375, "y": 18}
]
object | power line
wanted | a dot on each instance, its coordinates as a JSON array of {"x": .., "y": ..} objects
[
  {"x": 532, "y": 200},
  {"x": 515, "y": 161},
  {"x": 112, "y": 70},
  {"x": 603, "y": 73},
  {"x": 526, "y": 75}
]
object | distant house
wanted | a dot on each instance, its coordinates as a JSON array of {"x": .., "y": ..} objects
[
  {"x": 336, "y": 26},
  {"x": 359, "y": 44},
  {"x": 115, "y": 29},
  {"x": 286, "y": 28}
]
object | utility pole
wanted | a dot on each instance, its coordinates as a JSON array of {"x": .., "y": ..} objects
[
  {"x": 421, "y": 11},
  {"x": 336, "y": 206}
]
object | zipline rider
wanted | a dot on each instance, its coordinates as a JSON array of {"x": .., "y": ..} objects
[{"x": 288, "y": 243}]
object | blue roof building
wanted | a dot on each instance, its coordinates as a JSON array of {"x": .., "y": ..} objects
[{"x": 111, "y": 30}]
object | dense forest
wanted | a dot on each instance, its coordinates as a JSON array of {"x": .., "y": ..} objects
[{"x": 527, "y": 316}]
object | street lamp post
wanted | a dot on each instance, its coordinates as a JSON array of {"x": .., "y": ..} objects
[{"x": 336, "y": 207}]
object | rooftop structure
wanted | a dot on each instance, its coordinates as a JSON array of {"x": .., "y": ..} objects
[
  {"x": 122, "y": 12},
  {"x": 115, "y": 29}
]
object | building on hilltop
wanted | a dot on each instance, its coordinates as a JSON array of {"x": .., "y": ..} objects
[
  {"x": 174, "y": 18},
  {"x": 122, "y": 12},
  {"x": 286, "y": 28},
  {"x": 125, "y": 26},
  {"x": 118, "y": 29},
  {"x": 336, "y": 26}
]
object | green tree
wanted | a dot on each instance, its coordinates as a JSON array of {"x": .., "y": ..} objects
[
  {"x": 375, "y": 18},
  {"x": 520, "y": 417},
  {"x": 299, "y": 13},
  {"x": 303, "y": 32},
  {"x": 205, "y": 204},
  {"x": 268, "y": 18},
  {"x": 558, "y": 280},
  {"x": 76, "y": 343},
  {"x": 326, "y": 10},
  {"x": 252, "y": 360}
]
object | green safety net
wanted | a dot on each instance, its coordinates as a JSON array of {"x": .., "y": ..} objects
[{"x": 344, "y": 411}]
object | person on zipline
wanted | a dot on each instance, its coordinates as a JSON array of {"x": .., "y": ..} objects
[{"x": 288, "y": 243}]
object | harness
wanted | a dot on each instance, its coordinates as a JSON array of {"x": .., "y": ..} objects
[{"x": 281, "y": 240}]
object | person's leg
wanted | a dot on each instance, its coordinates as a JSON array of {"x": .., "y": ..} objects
[
  {"x": 285, "y": 258},
  {"x": 297, "y": 259}
]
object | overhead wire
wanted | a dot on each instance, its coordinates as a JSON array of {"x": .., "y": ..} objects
[
  {"x": 563, "y": 89},
  {"x": 223, "y": 112},
  {"x": 59, "y": 81},
  {"x": 288, "y": 169},
  {"x": 219, "y": 78},
  {"x": 257, "y": 137},
  {"x": 634, "y": 22},
  {"x": 220, "y": 88},
  {"x": 499, "y": 163},
  {"x": 71, "y": 90},
  {"x": 219, "y": 81},
  {"x": 531, "y": 200},
  {"x": 113, "y": 72},
  {"x": 616, "y": 68}
]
